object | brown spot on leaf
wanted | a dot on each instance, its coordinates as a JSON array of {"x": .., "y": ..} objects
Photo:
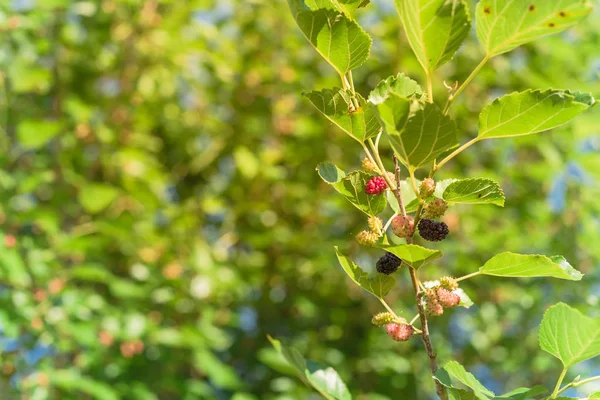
[
  {"x": 562, "y": 14},
  {"x": 487, "y": 10},
  {"x": 532, "y": 7},
  {"x": 551, "y": 25},
  {"x": 479, "y": 195}
]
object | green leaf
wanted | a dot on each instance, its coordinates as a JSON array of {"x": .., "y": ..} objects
[
  {"x": 35, "y": 134},
  {"x": 323, "y": 378},
  {"x": 413, "y": 255},
  {"x": 512, "y": 265},
  {"x": 594, "y": 396},
  {"x": 336, "y": 105},
  {"x": 569, "y": 335},
  {"x": 503, "y": 25},
  {"x": 352, "y": 187},
  {"x": 399, "y": 85},
  {"x": 523, "y": 393},
  {"x": 474, "y": 191},
  {"x": 453, "y": 371},
  {"x": 339, "y": 39},
  {"x": 330, "y": 173},
  {"x": 525, "y": 113},
  {"x": 435, "y": 29},
  {"x": 71, "y": 381},
  {"x": 95, "y": 197},
  {"x": 379, "y": 285},
  {"x": 418, "y": 132},
  {"x": 345, "y": 6}
]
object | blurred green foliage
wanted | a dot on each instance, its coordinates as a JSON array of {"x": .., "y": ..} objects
[{"x": 161, "y": 213}]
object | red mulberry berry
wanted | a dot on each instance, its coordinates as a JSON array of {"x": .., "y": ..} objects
[
  {"x": 447, "y": 298},
  {"x": 403, "y": 226},
  {"x": 400, "y": 332},
  {"x": 375, "y": 185},
  {"x": 433, "y": 231}
]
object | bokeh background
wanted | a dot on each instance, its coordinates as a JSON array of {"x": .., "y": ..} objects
[{"x": 160, "y": 212}]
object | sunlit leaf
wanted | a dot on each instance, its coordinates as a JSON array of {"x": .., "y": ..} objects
[
  {"x": 435, "y": 28},
  {"x": 339, "y": 39},
  {"x": 503, "y": 25},
  {"x": 474, "y": 191},
  {"x": 512, "y": 265},
  {"x": 532, "y": 111},
  {"x": 323, "y": 378},
  {"x": 413, "y": 255},
  {"x": 336, "y": 104},
  {"x": 569, "y": 335}
]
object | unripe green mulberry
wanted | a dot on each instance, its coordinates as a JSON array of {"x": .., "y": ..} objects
[
  {"x": 435, "y": 209},
  {"x": 368, "y": 165},
  {"x": 426, "y": 188},
  {"x": 383, "y": 319},
  {"x": 367, "y": 238},
  {"x": 449, "y": 283},
  {"x": 376, "y": 225}
]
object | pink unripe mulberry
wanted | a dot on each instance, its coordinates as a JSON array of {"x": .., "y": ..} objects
[
  {"x": 447, "y": 298},
  {"x": 376, "y": 185},
  {"x": 427, "y": 188},
  {"x": 432, "y": 303},
  {"x": 403, "y": 226},
  {"x": 400, "y": 332}
]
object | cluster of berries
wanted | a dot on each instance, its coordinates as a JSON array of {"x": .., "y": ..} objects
[
  {"x": 398, "y": 329},
  {"x": 429, "y": 229},
  {"x": 403, "y": 226},
  {"x": 442, "y": 296}
]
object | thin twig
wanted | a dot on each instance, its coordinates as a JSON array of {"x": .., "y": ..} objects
[
  {"x": 398, "y": 190},
  {"x": 577, "y": 383},
  {"x": 439, "y": 388}
]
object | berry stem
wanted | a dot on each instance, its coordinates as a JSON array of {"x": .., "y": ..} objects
[
  {"x": 389, "y": 222},
  {"x": 412, "y": 321},
  {"x": 387, "y": 306},
  {"x": 398, "y": 191}
]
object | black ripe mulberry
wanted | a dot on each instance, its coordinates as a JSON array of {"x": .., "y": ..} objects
[
  {"x": 432, "y": 230},
  {"x": 388, "y": 264}
]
